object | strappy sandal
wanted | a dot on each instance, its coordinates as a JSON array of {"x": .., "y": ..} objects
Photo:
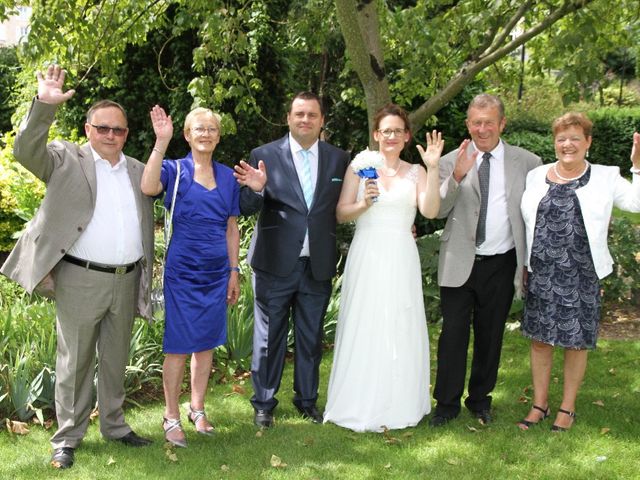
[
  {"x": 173, "y": 425},
  {"x": 528, "y": 423},
  {"x": 558, "y": 428},
  {"x": 196, "y": 416}
]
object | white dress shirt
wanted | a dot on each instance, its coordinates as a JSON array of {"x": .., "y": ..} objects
[
  {"x": 298, "y": 162},
  {"x": 113, "y": 235},
  {"x": 498, "y": 237}
]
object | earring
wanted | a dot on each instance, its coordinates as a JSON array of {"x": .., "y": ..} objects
[{"x": 587, "y": 155}]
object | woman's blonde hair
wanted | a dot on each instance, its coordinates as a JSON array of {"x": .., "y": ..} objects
[{"x": 198, "y": 111}]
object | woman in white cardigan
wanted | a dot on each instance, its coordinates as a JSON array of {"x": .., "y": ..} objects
[{"x": 566, "y": 208}]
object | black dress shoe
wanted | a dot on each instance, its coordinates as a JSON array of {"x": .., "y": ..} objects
[
  {"x": 263, "y": 418},
  {"x": 132, "y": 439},
  {"x": 483, "y": 416},
  {"x": 439, "y": 420},
  {"x": 311, "y": 412},
  {"x": 62, "y": 457}
]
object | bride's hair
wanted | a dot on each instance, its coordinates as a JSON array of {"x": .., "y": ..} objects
[{"x": 391, "y": 109}]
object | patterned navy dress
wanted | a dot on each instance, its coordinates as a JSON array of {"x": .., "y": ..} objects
[{"x": 563, "y": 293}]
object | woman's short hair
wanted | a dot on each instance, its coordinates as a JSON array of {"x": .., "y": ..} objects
[
  {"x": 199, "y": 111},
  {"x": 391, "y": 109},
  {"x": 571, "y": 119}
]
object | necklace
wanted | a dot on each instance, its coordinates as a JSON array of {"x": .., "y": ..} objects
[
  {"x": 565, "y": 179},
  {"x": 386, "y": 170}
]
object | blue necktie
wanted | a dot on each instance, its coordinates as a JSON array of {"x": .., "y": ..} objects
[
  {"x": 483, "y": 177},
  {"x": 305, "y": 178}
]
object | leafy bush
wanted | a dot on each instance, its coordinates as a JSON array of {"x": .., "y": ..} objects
[
  {"x": 538, "y": 143},
  {"x": 612, "y": 135},
  {"x": 624, "y": 243},
  {"x": 428, "y": 248}
]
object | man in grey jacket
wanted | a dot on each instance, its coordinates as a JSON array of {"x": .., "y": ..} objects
[
  {"x": 481, "y": 260},
  {"x": 91, "y": 246}
]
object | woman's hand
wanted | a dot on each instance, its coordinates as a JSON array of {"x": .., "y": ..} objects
[
  {"x": 371, "y": 191},
  {"x": 435, "y": 144},
  {"x": 162, "y": 124},
  {"x": 233, "y": 288},
  {"x": 635, "y": 150}
]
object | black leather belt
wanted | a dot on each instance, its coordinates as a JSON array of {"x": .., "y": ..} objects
[{"x": 100, "y": 267}]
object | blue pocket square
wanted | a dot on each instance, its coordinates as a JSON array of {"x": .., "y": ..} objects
[{"x": 336, "y": 179}]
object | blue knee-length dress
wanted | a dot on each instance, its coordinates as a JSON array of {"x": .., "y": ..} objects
[
  {"x": 196, "y": 272},
  {"x": 562, "y": 306}
]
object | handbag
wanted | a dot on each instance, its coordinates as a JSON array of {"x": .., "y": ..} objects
[{"x": 157, "y": 294}]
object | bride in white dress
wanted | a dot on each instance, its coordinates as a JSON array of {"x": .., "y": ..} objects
[{"x": 380, "y": 374}]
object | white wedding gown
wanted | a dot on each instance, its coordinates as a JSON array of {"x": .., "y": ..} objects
[{"x": 380, "y": 373}]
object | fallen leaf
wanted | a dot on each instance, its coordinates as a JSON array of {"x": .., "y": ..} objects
[
  {"x": 523, "y": 399},
  {"x": 307, "y": 442},
  {"x": 599, "y": 403},
  {"x": 612, "y": 371},
  {"x": 556, "y": 380},
  {"x": 19, "y": 428},
  {"x": 453, "y": 461},
  {"x": 238, "y": 389},
  {"x": 615, "y": 395},
  {"x": 110, "y": 461},
  {"x": 94, "y": 414},
  {"x": 259, "y": 433},
  {"x": 604, "y": 430},
  {"x": 407, "y": 435},
  {"x": 276, "y": 462},
  {"x": 388, "y": 465},
  {"x": 224, "y": 468},
  {"x": 472, "y": 429},
  {"x": 171, "y": 455},
  {"x": 601, "y": 458}
]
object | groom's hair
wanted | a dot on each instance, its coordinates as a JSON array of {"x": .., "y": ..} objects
[{"x": 307, "y": 96}]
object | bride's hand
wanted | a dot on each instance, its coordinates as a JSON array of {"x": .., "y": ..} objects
[
  {"x": 371, "y": 191},
  {"x": 431, "y": 155}
]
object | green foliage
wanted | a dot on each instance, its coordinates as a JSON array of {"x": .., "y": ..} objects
[
  {"x": 428, "y": 248},
  {"x": 612, "y": 136},
  {"x": 624, "y": 244},
  {"x": 540, "y": 144},
  {"x": 8, "y": 70}
]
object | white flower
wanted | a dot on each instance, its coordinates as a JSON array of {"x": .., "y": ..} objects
[{"x": 367, "y": 159}]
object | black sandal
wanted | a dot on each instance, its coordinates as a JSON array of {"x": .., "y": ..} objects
[
  {"x": 558, "y": 428},
  {"x": 528, "y": 423}
]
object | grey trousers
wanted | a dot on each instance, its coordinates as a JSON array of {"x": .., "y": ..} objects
[{"x": 95, "y": 313}]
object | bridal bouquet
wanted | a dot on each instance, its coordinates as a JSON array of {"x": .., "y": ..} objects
[{"x": 365, "y": 164}]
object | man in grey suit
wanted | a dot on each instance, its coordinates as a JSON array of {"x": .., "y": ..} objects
[
  {"x": 293, "y": 253},
  {"x": 482, "y": 253},
  {"x": 91, "y": 246}
]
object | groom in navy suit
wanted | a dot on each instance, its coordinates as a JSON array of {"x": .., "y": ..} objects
[{"x": 292, "y": 253}]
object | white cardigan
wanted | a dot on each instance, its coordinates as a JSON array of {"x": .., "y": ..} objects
[{"x": 597, "y": 198}]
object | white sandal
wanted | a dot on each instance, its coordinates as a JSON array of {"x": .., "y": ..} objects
[
  {"x": 174, "y": 425},
  {"x": 195, "y": 416}
]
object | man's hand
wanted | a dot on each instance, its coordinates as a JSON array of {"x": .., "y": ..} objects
[
  {"x": 50, "y": 86},
  {"x": 254, "y": 178},
  {"x": 464, "y": 162}
]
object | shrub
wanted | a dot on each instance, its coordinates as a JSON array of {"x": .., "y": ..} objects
[
  {"x": 612, "y": 135},
  {"x": 538, "y": 143},
  {"x": 624, "y": 244}
]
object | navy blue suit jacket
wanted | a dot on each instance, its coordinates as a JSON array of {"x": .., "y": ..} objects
[{"x": 284, "y": 217}]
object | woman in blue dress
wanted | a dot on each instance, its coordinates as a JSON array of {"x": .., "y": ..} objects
[
  {"x": 566, "y": 208},
  {"x": 201, "y": 269}
]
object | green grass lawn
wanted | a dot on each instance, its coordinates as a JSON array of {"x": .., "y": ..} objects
[{"x": 602, "y": 445}]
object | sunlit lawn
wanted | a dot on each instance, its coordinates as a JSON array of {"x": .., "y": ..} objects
[{"x": 602, "y": 445}]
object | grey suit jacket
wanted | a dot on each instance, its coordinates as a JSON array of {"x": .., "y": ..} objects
[
  {"x": 69, "y": 172},
  {"x": 461, "y": 207},
  {"x": 284, "y": 216}
]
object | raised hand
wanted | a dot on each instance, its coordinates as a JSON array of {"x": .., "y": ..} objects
[
  {"x": 635, "y": 150},
  {"x": 464, "y": 162},
  {"x": 247, "y": 176},
  {"x": 431, "y": 155},
  {"x": 50, "y": 86},
  {"x": 162, "y": 124}
]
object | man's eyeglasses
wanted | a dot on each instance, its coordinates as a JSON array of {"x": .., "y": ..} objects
[
  {"x": 104, "y": 130},
  {"x": 399, "y": 132},
  {"x": 203, "y": 130}
]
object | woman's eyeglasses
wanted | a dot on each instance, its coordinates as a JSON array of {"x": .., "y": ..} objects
[
  {"x": 104, "y": 130},
  {"x": 203, "y": 130},
  {"x": 399, "y": 132}
]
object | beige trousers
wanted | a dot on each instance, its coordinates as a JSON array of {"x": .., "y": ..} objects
[{"x": 95, "y": 313}]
